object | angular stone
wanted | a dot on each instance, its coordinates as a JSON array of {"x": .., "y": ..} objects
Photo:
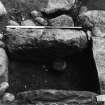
[
  {"x": 45, "y": 41},
  {"x": 62, "y": 21},
  {"x": 27, "y": 22},
  {"x": 3, "y": 66},
  {"x": 55, "y": 5}
]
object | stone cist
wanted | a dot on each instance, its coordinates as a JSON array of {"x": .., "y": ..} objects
[{"x": 48, "y": 65}]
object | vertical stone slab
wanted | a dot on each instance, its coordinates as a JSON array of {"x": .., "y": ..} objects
[{"x": 3, "y": 66}]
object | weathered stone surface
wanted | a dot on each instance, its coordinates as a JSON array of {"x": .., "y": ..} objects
[
  {"x": 41, "y": 21},
  {"x": 94, "y": 19},
  {"x": 55, "y": 5},
  {"x": 27, "y": 22},
  {"x": 60, "y": 97},
  {"x": 3, "y": 66},
  {"x": 99, "y": 31},
  {"x": 62, "y": 21},
  {"x": 46, "y": 41},
  {"x": 13, "y": 23}
]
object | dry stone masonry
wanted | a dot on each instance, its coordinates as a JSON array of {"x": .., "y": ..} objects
[{"x": 49, "y": 66}]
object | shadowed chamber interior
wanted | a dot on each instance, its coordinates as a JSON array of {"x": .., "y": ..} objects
[{"x": 80, "y": 74}]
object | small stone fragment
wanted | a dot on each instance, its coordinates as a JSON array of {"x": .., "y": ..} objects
[
  {"x": 41, "y": 21},
  {"x": 3, "y": 87},
  {"x": 8, "y": 97},
  {"x": 36, "y": 13}
]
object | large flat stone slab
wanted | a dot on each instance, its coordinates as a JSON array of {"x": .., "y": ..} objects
[
  {"x": 55, "y": 97},
  {"x": 47, "y": 42}
]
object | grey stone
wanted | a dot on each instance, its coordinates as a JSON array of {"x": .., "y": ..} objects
[
  {"x": 8, "y": 97},
  {"x": 55, "y": 5},
  {"x": 62, "y": 21}
]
